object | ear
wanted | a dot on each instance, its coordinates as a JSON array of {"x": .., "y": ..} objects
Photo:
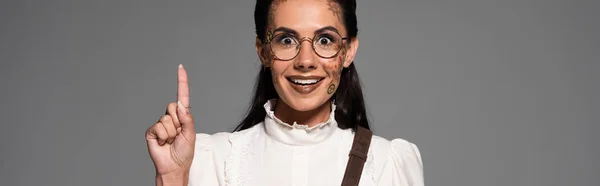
[
  {"x": 262, "y": 54},
  {"x": 350, "y": 52}
]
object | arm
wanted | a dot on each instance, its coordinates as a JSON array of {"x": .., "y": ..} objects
[{"x": 178, "y": 179}]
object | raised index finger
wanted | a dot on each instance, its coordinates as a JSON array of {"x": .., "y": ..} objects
[{"x": 183, "y": 90}]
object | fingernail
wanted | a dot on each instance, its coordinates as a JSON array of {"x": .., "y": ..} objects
[
  {"x": 180, "y": 66},
  {"x": 181, "y": 108}
]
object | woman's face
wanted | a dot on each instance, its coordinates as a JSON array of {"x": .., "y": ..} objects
[{"x": 308, "y": 80}]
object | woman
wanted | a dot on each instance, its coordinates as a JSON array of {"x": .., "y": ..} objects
[{"x": 300, "y": 126}]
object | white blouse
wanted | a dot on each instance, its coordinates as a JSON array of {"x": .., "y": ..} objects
[{"x": 275, "y": 153}]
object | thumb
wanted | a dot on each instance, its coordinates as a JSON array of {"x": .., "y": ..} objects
[{"x": 186, "y": 119}]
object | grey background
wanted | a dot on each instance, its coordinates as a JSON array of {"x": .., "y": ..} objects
[{"x": 494, "y": 92}]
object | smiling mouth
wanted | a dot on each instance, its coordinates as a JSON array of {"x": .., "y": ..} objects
[{"x": 304, "y": 81}]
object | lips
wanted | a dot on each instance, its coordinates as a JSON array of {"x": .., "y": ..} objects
[{"x": 305, "y": 84}]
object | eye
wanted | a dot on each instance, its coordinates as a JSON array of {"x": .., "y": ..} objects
[
  {"x": 324, "y": 40},
  {"x": 285, "y": 40}
]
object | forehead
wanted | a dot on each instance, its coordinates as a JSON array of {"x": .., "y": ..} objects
[{"x": 306, "y": 16}]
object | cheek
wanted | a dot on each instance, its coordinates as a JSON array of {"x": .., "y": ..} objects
[
  {"x": 277, "y": 69},
  {"x": 334, "y": 69},
  {"x": 274, "y": 75}
]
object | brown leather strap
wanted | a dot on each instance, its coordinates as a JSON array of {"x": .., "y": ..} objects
[{"x": 358, "y": 156}]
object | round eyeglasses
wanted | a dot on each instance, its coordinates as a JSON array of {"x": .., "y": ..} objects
[{"x": 286, "y": 46}]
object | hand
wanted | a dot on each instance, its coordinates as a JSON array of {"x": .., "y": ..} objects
[{"x": 171, "y": 140}]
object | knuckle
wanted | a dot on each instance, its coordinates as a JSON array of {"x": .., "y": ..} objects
[
  {"x": 158, "y": 126},
  {"x": 169, "y": 126},
  {"x": 171, "y": 108},
  {"x": 150, "y": 129},
  {"x": 165, "y": 119},
  {"x": 171, "y": 105}
]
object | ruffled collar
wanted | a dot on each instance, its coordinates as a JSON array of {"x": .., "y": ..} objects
[{"x": 297, "y": 134}]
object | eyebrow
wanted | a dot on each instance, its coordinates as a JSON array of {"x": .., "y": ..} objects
[
  {"x": 286, "y": 30},
  {"x": 294, "y": 32},
  {"x": 330, "y": 28}
]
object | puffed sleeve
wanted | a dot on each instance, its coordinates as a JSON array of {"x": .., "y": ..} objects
[
  {"x": 209, "y": 159},
  {"x": 404, "y": 166}
]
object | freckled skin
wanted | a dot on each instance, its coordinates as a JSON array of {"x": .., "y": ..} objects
[
  {"x": 335, "y": 8},
  {"x": 334, "y": 70}
]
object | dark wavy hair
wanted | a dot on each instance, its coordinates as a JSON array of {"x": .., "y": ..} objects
[{"x": 350, "y": 107}]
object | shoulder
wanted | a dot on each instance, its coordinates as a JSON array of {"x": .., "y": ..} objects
[
  {"x": 397, "y": 161},
  {"x": 396, "y": 148},
  {"x": 222, "y": 140},
  {"x": 383, "y": 146},
  {"x": 383, "y": 149},
  {"x": 206, "y": 141}
]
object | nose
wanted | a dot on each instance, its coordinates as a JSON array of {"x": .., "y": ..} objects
[{"x": 306, "y": 59}]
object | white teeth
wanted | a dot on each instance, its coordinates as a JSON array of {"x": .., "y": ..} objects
[{"x": 305, "y": 81}]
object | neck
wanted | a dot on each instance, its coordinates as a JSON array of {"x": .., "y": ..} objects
[{"x": 310, "y": 118}]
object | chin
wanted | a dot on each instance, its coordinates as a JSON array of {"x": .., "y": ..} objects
[
  {"x": 307, "y": 104},
  {"x": 303, "y": 104}
]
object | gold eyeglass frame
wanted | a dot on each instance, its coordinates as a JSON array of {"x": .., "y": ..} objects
[{"x": 270, "y": 37}]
